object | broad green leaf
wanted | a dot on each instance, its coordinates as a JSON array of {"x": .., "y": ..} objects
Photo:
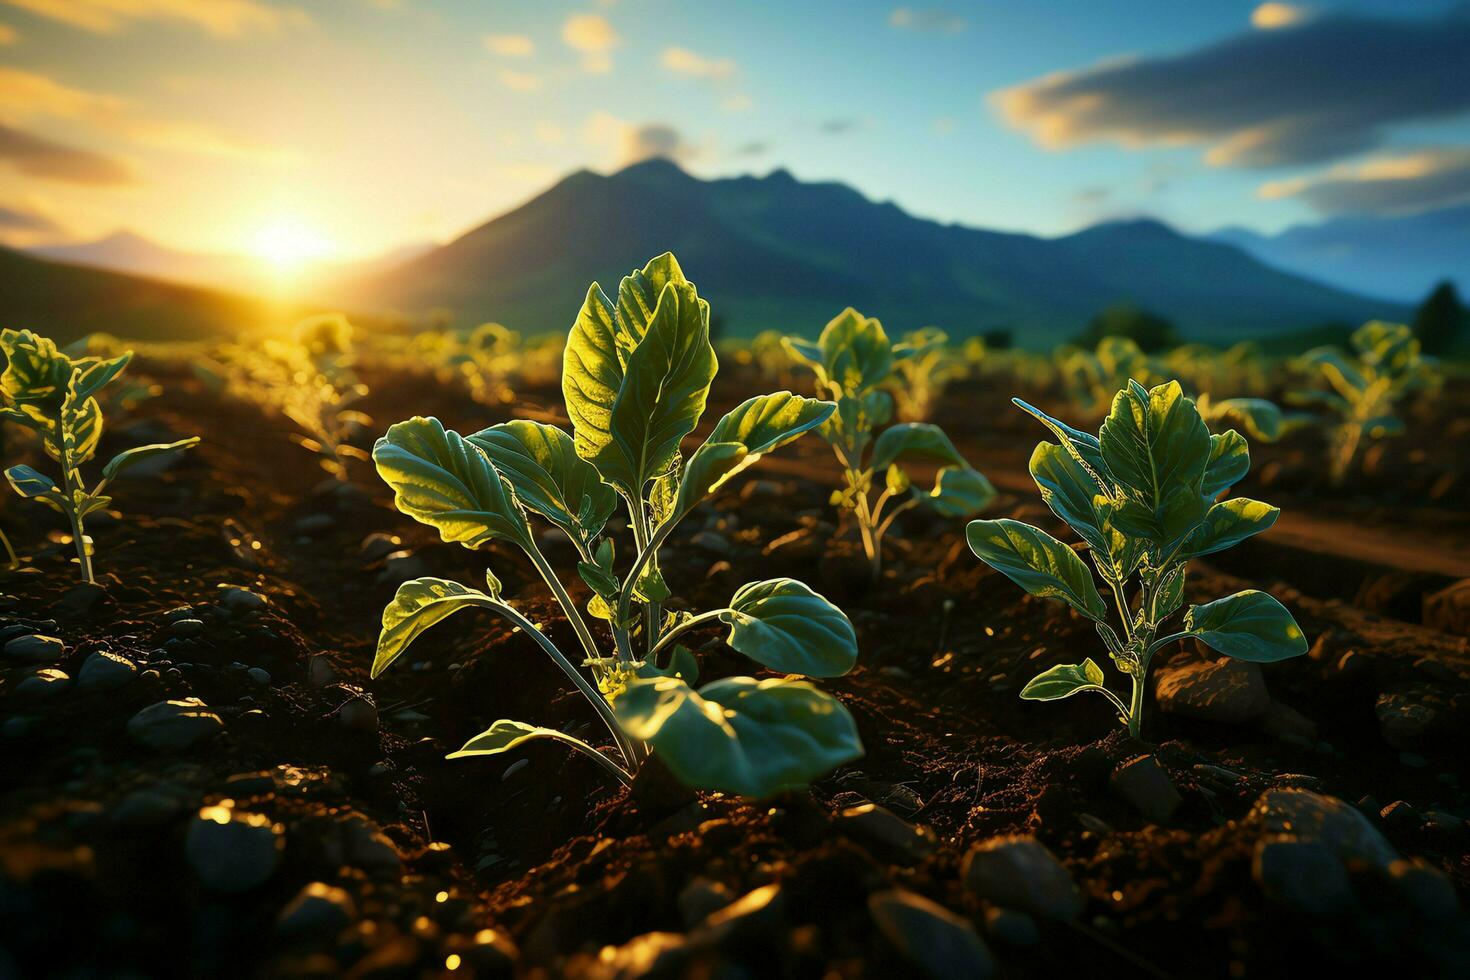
[
  {"x": 856, "y": 353},
  {"x": 1156, "y": 446},
  {"x": 31, "y": 483},
  {"x": 750, "y": 430},
  {"x": 682, "y": 665},
  {"x": 506, "y": 734},
  {"x": 89, "y": 504},
  {"x": 663, "y": 393},
  {"x": 739, "y": 735},
  {"x": 639, "y": 294},
  {"x": 959, "y": 491},
  {"x": 1072, "y": 493},
  {"x": 1037, "y": 562},
  {"x": 417, "y": 605},
  {"x": 1226, "y": 525},
  {"x": 36, "y": 372},
  {"x": 804, "y": 350},
  {"x": 1063, "y": 681},
  {"x": 129, "y": 458},
  {"x": 909, "y": 441},
  {"x": 542, "y": 464},
  {"x": 441, "y": 480},
  {"x": 1167, "y": 594},
  {"x": 592, "y": 372},
  {"x": 782, "y": 624},
  {"x": 1261, "y": 418},
  {"x": 1083, "y": 446},
  {"x": 1230, "y": 461},
  {"x": 1249, "y": 625},
  {"x": 92, "y": 374}
]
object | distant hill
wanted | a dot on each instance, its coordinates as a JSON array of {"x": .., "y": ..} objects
[
  {"x": 776, "y": 252},
  {"x": 1400, "y": 257},
  {"x": 67, "y": 301}
]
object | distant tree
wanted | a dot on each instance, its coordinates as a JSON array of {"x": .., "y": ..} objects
[
  {"x": 1148, "y": 330},
  {"x": 1440, "y": 319},
  {"x": 999, "y": 338}
]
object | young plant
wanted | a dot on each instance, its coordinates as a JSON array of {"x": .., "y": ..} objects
[
  {"x": 923, "y": 365},
  {"x": 53, "y": 395},
  {"x": 852, "y": 359},
  {"x": 1142, "y": 495},
  {"x": 636, "y": 376},
  {"x": 1360, "y": 392}
]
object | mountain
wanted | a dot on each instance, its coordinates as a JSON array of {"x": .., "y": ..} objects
[
  {"x": 776, "y": 252},
  {"x": 1401, "y": 257},
  {"x": 66, "y": 302}
]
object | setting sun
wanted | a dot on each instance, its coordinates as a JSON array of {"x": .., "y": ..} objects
[{"x": 287, "y": 244}]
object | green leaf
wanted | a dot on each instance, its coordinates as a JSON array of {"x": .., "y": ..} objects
[
  {"x": 1167, "y": 594},
  {"x": 1156, "y": 446},
  {"x": 909, "y": 441},
  {"x": 1261, "y": 418},
  {"x": 750, "y": 430},
  {"x": 417, "y": 605},
  {"x": 92, "y": 374},
  {"x": 662, "y": 395},
  {"x": 1230, "y": 461},
  {"x": 129, "y": 458},
  {"x": 1082, "y": 446},
  {"x": 959, "y": 491},
  {"x": 782, "y": 624},
  {"x": 1072, "y": 493},
  {"x": 856, "y": 353},
  {"x": 36, "y": 372},
  {"x": 639, "y": 294},
  {"x": 682, "y": 665},
  {"x": 441, "y": 480},
  {"x": 30, "y": 483},
  {"x": 739, "y": 735},
  {"x": 592, "y": 372},
  {"x": 1226, "y": 525},
  {"x": 506, "y": 734},
  {"x": 1037, "y": 562},
  {"x": 803, "y": 350},
  {"x": 1063, "y": 681},
  {"x": 1249, "y": 625},
  {"x": 542, "y": 464}
]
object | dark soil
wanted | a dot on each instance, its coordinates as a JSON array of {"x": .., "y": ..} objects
[{"x": 535, "y": 864}]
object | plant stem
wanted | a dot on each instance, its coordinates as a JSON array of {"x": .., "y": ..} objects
[
  {"x": 574, "y": 616},
  {"x": 1122, "y": 604},
  {"x": 646, "y": 554},
  {"x": 652, "y": 615},
  {"x": 684, "y": 627},
  {"x": 13, "y": 561},
  {"x": 1135, "y": 707},
  {"x": 69, "y": 479}
]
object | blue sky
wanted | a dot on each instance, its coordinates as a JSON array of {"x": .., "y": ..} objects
[{"x": 346, "y": 127}]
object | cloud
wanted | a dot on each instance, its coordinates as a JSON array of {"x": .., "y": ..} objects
[
  {"x": 222, "y": 18},
  {"x": 838, "y": 126},
  {"x": 36, "y": 156},
  {"x": 1269, "y": 16},
  {"x": 594, "y": 37},
  {"x": 1400, "y": 184},
  {"x": 1316, "y": 91},
  {"x": 18, "y": 222},
  {"x": 510, "y": 45},
  {"x": 630, "y": 143},
  {"x": 929, "y": 20},
  {"x": 518, "y": 81},
  {"x": 682, "y": 61}
]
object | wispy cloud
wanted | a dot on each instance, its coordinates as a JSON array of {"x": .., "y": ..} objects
[
  {"x": 839, "y": 125},
  {"x": 23, "y": 224},
  {"x": 510, "y": 45},
  {"x": 518, "y": 81},
  {"x": 222, "y": 18},
  {"x": 594, "y": 37},
  {"x": 931, "y": 20},
  {"x": 682, "y": 61},
  {"x": 1403, "y": 183},
  {"x": 1323, "y": 89},
  {"x": 630, "y": 143},
  {"x": 1269, "y": 16},
  {"x": 36, "y": 156}
]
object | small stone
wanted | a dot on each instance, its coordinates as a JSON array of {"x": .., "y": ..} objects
[
  {"x": 1448, "y": 609},
  {"x": 1011, "y": 927},
  {"x": 319, "y": 671},
  {"x": 81, "y": 599},
  {"x": 1428, "y": 889},
  {"x": 232, "y": 852},
  {"x": 32, "y": 648},
  {"x": 1300, "y": 814},
  {"x": 314, "y": 523},
  {"x": 378, "y": 545},
  {"x": 145, "y": 808},
  {"x": 1147, "y": 786},
  {"x": 1286, "y": 723},
  {"x": 105, "y": 671},
  {"x": 359, "y": 715},
  {"x": 402, "y": 566},
  {"x": 711, "y": 543},
  {"x": 174, "y": 725},
  {"x": 755, "y": 916},
  {"x": 1410, "y": 717},
  {"x": 702, "y": 898},
  {"x": 872, "y": 824},
  {"x": 318, "y": 909},
  {"x": 1228, "y": 692},
  {"x": 941, "y": 944},
  {"x": 1303, "y": 875},
  {"x": 1019, "y": 872},
  {"x": 1444, "y": 821},
  {"x": 259, "y": 675},
  {"x": 240, "y": 602},
  {"x": 1401, "y": 815},
  {"x": 186, "y": 627},
  {"x": 43, "y": 685}
]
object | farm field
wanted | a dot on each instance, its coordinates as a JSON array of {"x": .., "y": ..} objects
[{"x": 300, "y": 818}]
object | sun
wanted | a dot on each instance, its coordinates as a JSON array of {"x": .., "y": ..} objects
[{"x": 287, "y": 244}]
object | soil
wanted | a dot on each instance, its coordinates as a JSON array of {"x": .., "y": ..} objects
[{"x": 361, "y": 851}]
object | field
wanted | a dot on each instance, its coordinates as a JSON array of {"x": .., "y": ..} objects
[{"x": 303, "y": 820}]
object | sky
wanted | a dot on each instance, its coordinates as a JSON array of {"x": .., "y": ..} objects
[{"x": 342, "y": 129}]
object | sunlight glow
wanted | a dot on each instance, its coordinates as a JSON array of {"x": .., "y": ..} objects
[{"x": 287, "y": 244}]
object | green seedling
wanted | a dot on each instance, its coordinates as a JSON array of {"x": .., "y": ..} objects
[
  {"x": 1360, "y": 392},
  {"x": 1142, "y": 495},
  {"x": 923, "y": 366},
  {"x": 55, "y": 396},
  {"x": 852, "y": 359},
  {"x": 637, "y": 372}
]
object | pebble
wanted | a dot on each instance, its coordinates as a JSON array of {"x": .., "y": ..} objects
[
  {"x": 319, "y": 671},
  {"x": 1286, "y": 723},
  {"x": 702, "y": 898},
  {"x": 877, "y": 825},
  {"x": 941, "y": 944},
  {"x": 105, "y": 671},
  {"x": 379, "y": 545},
  {"x": 1146, "y": 785},
  {"x": 1408, "y": 718},
  {"x": 1011, "y": 927},
  {"x": 1228, "y": 692},
  {"x": 1019, "y": 872},
  {"x": 711, "y": 543},
  {"x": 400, "y": 567},
  {"x": 174, "y": 725},
  {"x": 42, "y": 685},
  {"x": 313, "y": 523},
  {"x": 81, "y": 599},
  {"x": 33, "y": 648},
  {"x": 1428, "y": 889},
  {"x": 239, "y": 602},
  {"x": 319, "y": 909},
  {"x": 1304, "y": 875},
  {"x": 1300, "y": 814},
  {"x": 358, "y": 715},
  {"x": 150, "y": 807},
  {"x": 232, "y": 852},
  {"x": 186, "y": 628},
  {"x": 259, "y": 675}
]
